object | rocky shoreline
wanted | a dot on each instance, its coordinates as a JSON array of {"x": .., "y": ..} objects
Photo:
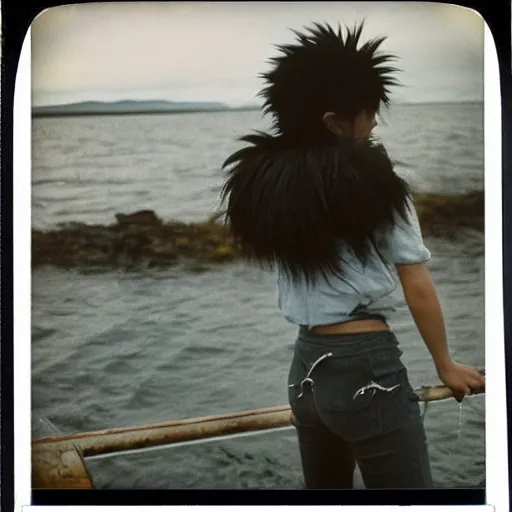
[{"x": 143, "y": 240}]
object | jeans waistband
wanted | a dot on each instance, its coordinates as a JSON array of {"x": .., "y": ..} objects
[{"x": 346, "y": 344}]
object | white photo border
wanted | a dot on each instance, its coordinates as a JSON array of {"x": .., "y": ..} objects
[{"x": 496, "y": 412}]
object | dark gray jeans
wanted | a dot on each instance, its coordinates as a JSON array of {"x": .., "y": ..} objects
[{"x": 352, "y": 402}]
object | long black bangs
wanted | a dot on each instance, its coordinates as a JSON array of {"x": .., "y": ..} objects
[{"x": 292, "y": 207}]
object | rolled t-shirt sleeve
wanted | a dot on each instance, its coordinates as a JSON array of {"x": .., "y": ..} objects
[{"x": 403, "y": 244}]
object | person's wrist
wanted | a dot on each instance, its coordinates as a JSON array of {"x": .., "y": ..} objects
[{"x": 443, "y": 365}]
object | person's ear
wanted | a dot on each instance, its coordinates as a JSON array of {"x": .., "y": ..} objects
[{"x": 330, "y": 122}]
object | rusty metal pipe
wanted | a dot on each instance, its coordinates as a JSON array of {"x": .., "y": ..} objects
[
  {"x": 58, "y": 462},
  {"x": 130, "y": 438},
  {"x": 156, "y": 434}
]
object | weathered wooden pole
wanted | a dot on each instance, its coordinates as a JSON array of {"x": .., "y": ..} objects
[
  {"x": 156, "y": 434},
  {"x": 57, "y": 462},
  {"x": 59, "y": 466}
]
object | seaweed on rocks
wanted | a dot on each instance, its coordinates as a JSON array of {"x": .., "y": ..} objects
[
  {"x": 143, "y": 240},
  {"x": 136, "y": 240},
  {"x": 445, "y": 216}
]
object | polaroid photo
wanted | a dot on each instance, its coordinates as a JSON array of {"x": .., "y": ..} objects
[{"x": 161, "y": 361}]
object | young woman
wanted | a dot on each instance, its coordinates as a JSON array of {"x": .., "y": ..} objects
[{"x": 319, "y": 200}]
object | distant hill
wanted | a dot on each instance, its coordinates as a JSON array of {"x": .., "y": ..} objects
[{"x": 131, "y": 107}]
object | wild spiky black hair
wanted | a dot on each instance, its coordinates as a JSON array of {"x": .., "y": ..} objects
[
  {"x": 294, "y": 196},
  {"x": 325, "y": 72}
]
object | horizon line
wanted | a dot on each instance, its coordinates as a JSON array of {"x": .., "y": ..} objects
[{"x": 238, "y": 105}]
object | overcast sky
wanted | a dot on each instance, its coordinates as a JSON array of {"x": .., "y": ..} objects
[{"x": 204, "y": 51}]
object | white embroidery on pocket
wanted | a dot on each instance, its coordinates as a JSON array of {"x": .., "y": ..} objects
[
  {"x": 374, "y": 386},
  {"x": 308, "y": 378}
]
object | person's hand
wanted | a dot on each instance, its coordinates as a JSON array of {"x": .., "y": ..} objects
[{"x": 461, "y": 379}]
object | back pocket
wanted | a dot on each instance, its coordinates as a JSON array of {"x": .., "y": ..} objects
[
  {"x": 350, "y": 414},
  {"x": 396, "y": 408}
]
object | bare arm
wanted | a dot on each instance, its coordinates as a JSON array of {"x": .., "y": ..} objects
[
  {"x": 403, "y": 246},
  {"x": 421, "y": 297},
  {"x": 423, "y": 302}
]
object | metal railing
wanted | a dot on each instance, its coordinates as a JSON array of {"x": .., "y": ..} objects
[{"x": 58, "y": 461}]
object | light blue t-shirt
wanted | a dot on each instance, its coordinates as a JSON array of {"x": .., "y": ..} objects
[{"x": 365, "y": 291}]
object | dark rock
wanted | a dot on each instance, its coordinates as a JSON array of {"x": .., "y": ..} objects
[
  {"x": 163, "y": 252},
  {"x": 142, "y": 240},
  {"x": 156, "y": 262},
  {"x": 140, "y": 218},
  {"x": 446, "y": 216}
]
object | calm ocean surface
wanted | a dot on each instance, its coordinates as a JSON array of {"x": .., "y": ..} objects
[{"x": 120, "y": 349}]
